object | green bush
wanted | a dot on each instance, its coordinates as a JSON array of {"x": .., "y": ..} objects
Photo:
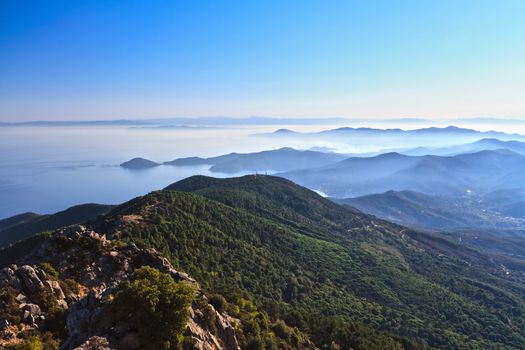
[
  {"x": 218, "y": 302},
  {"x": 156, "y": 306},
  {"x": 8, "y": 307},
  {"x": 69, "y": 286},
  {"x": 49, "y": 269},
  {"x": 281, "y": 330},
  {"x": 210, "y": 319},
  {"x": 31, "y": 343}
]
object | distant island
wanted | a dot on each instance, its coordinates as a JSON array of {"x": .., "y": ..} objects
[
  {"x": 283, "y": 159},
  {"x": 139, "y": 163}
]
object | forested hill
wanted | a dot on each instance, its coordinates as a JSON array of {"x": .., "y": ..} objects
[
  {"x": 27, "y": 224},
  {"x": 336, "y": 274}
]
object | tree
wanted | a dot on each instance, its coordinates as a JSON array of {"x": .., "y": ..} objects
[{"x": 156, "y": 306}]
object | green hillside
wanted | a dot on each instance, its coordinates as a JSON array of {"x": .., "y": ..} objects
[{"x": 332, "y": 272}]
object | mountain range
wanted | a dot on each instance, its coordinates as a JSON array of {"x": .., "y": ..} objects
[
  {"x": 480, "y": 145},
  {"x": 180, "y": 122},
  {"x": 366, "y": 139},
  {"x": 479, "y": 172},
  {"x": 423, "y": 132},
  {"x": 282, "y": 159},
  {"x": 339, "y": 277},
  {"x": 429, "y": 212}
]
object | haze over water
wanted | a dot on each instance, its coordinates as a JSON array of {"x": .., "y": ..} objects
[{"x": 47, "y": 169}]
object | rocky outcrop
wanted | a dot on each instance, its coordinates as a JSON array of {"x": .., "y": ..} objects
[
  {"x": 89, "y": 268},
  {"x": 30, "y": 278},
  {"x": 199, "y": 330},
  {"x": 95, "y": 343}
]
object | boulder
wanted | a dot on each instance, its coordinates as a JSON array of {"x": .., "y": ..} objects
[
  {"x": 30, "y": 312},
  {"x": 56, "y": 289},
  {"x": 21, "y": 298},
  {"x": 94, "y": 343},
  {"x": 8, "y": 277},
  {"x": 30, "y": 278},
  {"x": 33, "y": 309}
]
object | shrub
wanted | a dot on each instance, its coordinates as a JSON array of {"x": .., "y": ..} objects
[
  {"x": 31, "y": 343},
  {"x": 69, "y": 286},
  {"x": 49, "y": 269},
  {"x": 188, "y": 343},
  {"x": 47, "y": 301},
  {"x": 156, "y": 306},
  {"x": 49, "y": 342},
  {"x": 210, "y": 319},
  {"x": 218, "y": 302},
  {"x": 8, "y": 307},
  {"x": 281, "y": 330}
]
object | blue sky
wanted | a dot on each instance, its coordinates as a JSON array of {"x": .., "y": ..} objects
[{"x": 362, "y": 59}]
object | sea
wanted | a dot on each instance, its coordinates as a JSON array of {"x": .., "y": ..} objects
[{"x": 45, "y": 169}]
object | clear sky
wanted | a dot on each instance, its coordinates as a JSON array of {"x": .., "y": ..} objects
[{"x": 363, "y": 59}]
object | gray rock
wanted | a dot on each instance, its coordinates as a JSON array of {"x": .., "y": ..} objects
[
  {"x": 227, "y": 333},
  {"x": 3, "y": 324},
  {"x": 33, "y": 309},
  {"x": 77, "y": 321},
  {"x": 21, "y": 298},
  {"x": 30, "y": 279},
  {"x": 94, "y": 343},
  {"x": 56, "y": 289},
  {"x": 8, "y": 277}
]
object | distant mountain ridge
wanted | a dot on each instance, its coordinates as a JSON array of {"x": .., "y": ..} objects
[
  {"x": 369, "y": 139},
  {"x": 180, "y": 122},
  {"x": 423, "y": 211},
  {"x": 480, "y": 145},
  {"x": 348, "y": 131},
  {"x": 482, "y": 171},
  {"x": 282, "y": 159},
  {"x": 25, "y": 225}
]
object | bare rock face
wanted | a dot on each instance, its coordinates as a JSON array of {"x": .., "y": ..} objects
[
  {"x": 227, "y": 331},
  {"x": 203, "y": 339},
  {"x": 95, "y": 343},
  {"x": 56, "y": 289},
  {"x": 90, "y": 267}
]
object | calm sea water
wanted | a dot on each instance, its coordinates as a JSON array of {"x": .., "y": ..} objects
[{"x": 47, "y": 169}]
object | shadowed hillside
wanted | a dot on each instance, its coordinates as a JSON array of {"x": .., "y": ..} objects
[{"x": 24, "y": 225}]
